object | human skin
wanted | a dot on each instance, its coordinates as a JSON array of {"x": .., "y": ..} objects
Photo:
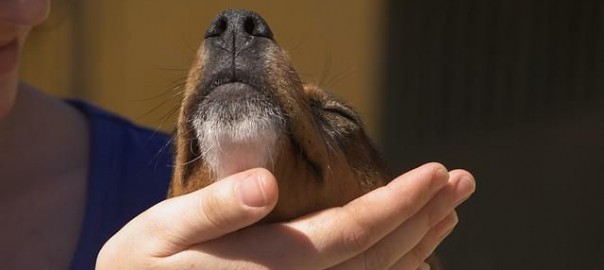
[
  {"x": 16, "y": 20},
  {"x": 393, "y": 227},
  {"x": 43, "y": 198}
]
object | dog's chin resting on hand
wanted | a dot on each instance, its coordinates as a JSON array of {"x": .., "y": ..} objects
[{"x": 244, "y": 107}]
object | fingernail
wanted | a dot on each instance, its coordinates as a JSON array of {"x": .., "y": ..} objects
[
  {"x": 464, "y": 188},
  {"x": 424, "y": 266},
  {"x": 252, "y": 192}
]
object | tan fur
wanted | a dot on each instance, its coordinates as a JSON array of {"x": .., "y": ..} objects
[
  {"x": 300, "y": 190},
  {"x": 321, "y": 130}
]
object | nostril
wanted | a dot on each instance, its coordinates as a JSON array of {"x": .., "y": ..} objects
[
  {"x": 217, "y": 28},
  {"x": 254, "y": 25},
  {"x": 240, "y": 23},
  {"x": 249, "y": 26}
]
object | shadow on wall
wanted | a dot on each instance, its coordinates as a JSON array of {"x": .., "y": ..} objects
[{"x": 513, "y": 91}]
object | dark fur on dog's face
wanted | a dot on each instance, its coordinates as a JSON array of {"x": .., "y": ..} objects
[{"x": 245, "y": 107}]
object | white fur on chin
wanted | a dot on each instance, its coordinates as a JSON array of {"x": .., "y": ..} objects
[{"x": 228, "y": 148}]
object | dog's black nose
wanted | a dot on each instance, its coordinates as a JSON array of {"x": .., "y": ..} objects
[{"x": 239, "y": 25}]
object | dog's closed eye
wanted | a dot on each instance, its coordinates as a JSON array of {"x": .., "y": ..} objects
[{"x": 261, "y": 114}]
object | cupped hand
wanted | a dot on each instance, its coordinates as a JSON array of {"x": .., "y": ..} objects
[{"x": 393, "y": 227}]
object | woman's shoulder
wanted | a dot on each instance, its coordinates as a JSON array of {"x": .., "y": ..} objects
[
  {"x": 113, "y": 137},
  {"x": 100, "y": 117},
  {"x": 126, "y": 152},
  {"x": 130, "y": 169}
]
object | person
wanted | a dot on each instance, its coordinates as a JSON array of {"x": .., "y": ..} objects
[{"x": 75, "y": 178}]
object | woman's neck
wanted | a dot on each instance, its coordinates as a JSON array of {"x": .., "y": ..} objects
[
  {"x": 41, "y": 136},
  {"x": 43, "y": 171}
]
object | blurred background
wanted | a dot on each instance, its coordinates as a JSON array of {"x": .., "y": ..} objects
[{"x": 511, "y": 90}]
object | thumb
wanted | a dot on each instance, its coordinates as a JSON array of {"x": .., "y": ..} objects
[{"x": 228, "y": 205}]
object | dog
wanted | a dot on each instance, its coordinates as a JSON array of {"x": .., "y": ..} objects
[{"x": 244, "y": 106}]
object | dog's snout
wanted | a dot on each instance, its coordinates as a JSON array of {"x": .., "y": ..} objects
[
  {"x": 239, "y": 24},
  {"x": 237, "y": 48}
]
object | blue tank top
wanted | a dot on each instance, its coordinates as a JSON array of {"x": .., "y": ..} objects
[{"x": 130, "y": 168}]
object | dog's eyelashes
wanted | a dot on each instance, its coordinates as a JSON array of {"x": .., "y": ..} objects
[
  {"x": 342, "y": 112},
  {"x": 328, "y": 104},
  {"x": 248, "y": 108}
]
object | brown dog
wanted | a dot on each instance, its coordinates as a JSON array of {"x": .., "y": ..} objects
[{"x": 245, "y": 107}]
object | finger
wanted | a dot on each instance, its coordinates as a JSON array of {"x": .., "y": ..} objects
[
  {"x": 406, "y": 237},
  {"x": 423, "y": 266},
  {"x": 417, "y": 257},
  {"x": 328, "y": 237},
  {"x": 456, "y": 175},
  {"x": 377, "y": 214},
  {"x": 371, "y": 217},
  {"x": 223, "y": 207}
]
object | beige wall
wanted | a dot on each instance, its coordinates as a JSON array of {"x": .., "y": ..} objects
[{"x": 128, "y": 55}]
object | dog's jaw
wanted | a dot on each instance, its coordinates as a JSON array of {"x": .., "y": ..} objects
[
  {"x": 234, "y": 147},
  {"x": 237, "y": 128}
]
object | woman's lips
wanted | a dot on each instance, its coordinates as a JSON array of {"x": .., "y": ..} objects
[{"x": 9, "y": 53}]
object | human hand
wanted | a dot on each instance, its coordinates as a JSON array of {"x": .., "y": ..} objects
[{"x": 392, "y": 227}]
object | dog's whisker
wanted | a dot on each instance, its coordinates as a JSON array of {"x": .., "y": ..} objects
[
  {"x": 244, "y": 106},
  {"x": 326, "y": 69},
  {"x": 165, "y": 119},
  {"x": 163, "y": 148},
  {"x": 188, "y": 162}
]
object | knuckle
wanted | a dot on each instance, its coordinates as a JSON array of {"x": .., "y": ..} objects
[
  {"x": 212, "y": 212},
  {"x": 356, "y": 240},
  {"x": 437, "y": 166},
  {"x": 433, "y": 217},
  {"x": 357, "y": 236},
  {"x": 437, "y": 212},
  {"x": 442, "y": 229},
  {"x": 440, "y": 174},
  {"x": 425, "y": 248},
  {"x": 373, "y": 261},
  {"x": 421, "y": 252},
  {"x": 377, "y": 258},
  {"x": 438, "y": 169},
  {"x": 418, "y": 256}
]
